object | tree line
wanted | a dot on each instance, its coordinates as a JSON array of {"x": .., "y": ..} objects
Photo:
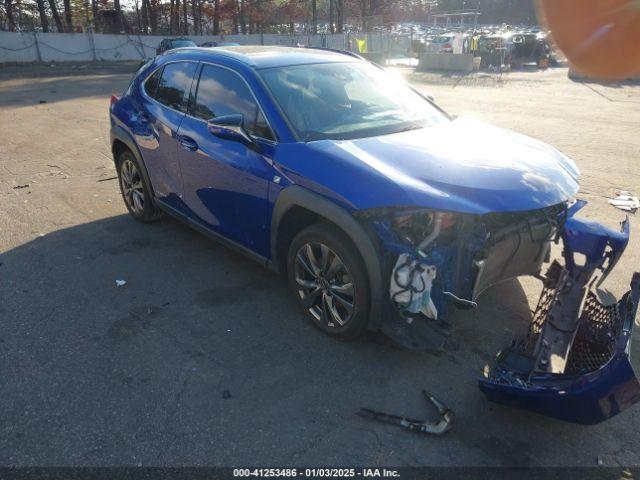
[{"x": 201, "y": 17}]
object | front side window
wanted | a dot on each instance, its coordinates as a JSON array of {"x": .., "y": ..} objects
[
  {"x": 347, "y": 100},
  {"x": 175, "y": 84},
  {"x": 222, "y": 92}
]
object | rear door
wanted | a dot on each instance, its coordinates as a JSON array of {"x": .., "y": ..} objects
[
  {"x": 226, "y": 182},
  {"x": 164, "y": 105}
]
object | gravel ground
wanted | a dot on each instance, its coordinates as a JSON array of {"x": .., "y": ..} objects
[{"x": 202, "y": 358}]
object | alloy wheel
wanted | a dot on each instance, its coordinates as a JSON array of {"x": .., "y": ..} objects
[
  {"x": 324, "y": 284},
  {"x": 132, "y": 187}
]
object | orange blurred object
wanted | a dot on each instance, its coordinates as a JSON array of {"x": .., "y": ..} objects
[{"x": 600, "y": 37}]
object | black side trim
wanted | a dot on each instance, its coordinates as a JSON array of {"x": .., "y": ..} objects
[
  {"x": 298, "y": 196},
  {"x": 211, "y": 234}
]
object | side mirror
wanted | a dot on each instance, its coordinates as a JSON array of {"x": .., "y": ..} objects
[{"x": 230, "y": 127}]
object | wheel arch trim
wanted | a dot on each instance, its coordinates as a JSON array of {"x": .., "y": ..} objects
[
  {"x": 296, "y": 196},
  {"x": 120, "y": 134}
]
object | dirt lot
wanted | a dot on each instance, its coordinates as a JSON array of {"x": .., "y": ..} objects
[{"x": 94, "y": 374}]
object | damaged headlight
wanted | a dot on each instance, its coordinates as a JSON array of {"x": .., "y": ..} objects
[
  {"x": 414, "y": 227},
  {"x": 410, "y": 240}
]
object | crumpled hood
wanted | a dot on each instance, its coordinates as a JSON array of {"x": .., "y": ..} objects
[{"x": 462, "y": 165}]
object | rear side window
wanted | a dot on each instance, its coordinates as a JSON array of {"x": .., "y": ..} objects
[
  {"x": 175, "y": 84},
  {"x": 223, "y": 92}
]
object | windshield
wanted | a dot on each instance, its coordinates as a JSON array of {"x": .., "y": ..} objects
[{"x": 347, "y": 100}]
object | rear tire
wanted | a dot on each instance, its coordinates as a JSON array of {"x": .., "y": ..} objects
[
  {"x": 328, "y": 278},
  {"x": 135, "y": 191}
]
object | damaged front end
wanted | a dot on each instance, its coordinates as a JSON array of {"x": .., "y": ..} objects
[
  {"x": 573, "y": 363},
  {"x": 435, "y": 260}
]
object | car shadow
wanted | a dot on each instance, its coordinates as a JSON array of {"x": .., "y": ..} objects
[{"x": 201, "y": 346}]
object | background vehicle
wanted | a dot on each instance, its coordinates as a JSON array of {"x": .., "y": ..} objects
[
  {"x": 220, "y": 44},
  {"x": 495, "y": 50},
  {"x": 171, "y": 43},
  {"x": 441, "y": 44}
]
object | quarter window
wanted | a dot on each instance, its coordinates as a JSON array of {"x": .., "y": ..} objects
[
  {"x": 175, "y": 84},
  {"x": 222, "y": 92},
  {"x": 151, "y": 85}
]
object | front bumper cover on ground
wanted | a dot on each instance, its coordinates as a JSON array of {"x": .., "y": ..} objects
[
  {"x": 598, "y": 380},
  {"x": 573, "y": 363}
]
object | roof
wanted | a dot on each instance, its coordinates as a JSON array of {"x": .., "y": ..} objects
[{"x": 258, "y": 56}]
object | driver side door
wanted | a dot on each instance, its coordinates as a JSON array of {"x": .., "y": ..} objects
[{"x": 226, "y": 182}]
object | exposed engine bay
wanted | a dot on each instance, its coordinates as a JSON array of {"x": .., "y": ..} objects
[{"x": 573, "y": 362}]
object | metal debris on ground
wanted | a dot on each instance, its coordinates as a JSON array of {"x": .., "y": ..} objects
[
  {"x": 121, "y": 283},
  {"x": 439, "y": 427},
  {"x": 625, "y": 200}
]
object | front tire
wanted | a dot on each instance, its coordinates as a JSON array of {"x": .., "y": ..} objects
[
  {"x": 135, "y": 191},
  {"x": 328, "y": 278}
]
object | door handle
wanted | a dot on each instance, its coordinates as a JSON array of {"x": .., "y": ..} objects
[{"x": 188, "y": 143}]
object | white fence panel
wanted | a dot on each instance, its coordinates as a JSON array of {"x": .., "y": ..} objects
[
  {"x": 18, "y": 47},
  {"x": 65, "y": 47},
  {"x": 124, "y": 47},
  {"x": 60, "y": 47}
]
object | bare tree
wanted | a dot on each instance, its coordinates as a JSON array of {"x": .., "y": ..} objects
[
  {"x": 8, "y": 7},
  {"x": 118, "y": 8},
  {"x": 94, "y": 13},
  {"x": 55, "y": 15},
  {"x": 67, "y": 15},
  {"x": 331, "y": 13},
  {"x": 241, "y": 16},
  {"x": 185, "y": 28},
  {"x": 195, "y": 12},
  {"x": 216, "y": 17},
  {"x": 44, "y": 21},
  {"x": 152, "y": 11},
  {"x": 144, "y": 27},
  {"x": 138, "y": 20},
  {"x": 174, "y": 25}
]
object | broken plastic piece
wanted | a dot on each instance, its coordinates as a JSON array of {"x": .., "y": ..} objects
[
  {"x": 625, "y": 200},
  {"x": 120, "y": 283},
  {"x": 421, "y": 426},
  {"x": 601, "y": 246}
]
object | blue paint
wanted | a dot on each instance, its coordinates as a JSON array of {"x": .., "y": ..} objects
[
  {"x": 593, "y": 239},
  {"x": 587, "y": 399}
]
